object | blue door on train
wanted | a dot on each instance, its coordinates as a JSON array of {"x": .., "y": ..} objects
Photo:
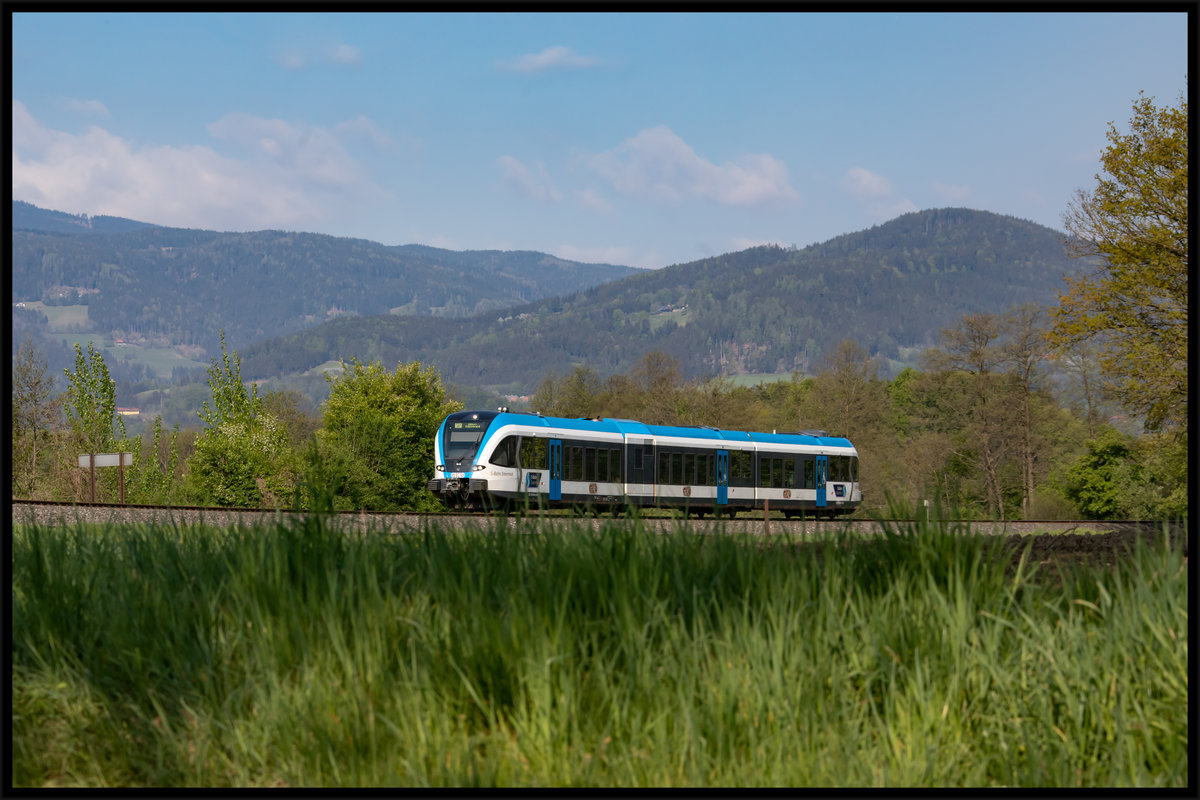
[
  {"x": 556, "y": 469},
  {"x": 722, "y": 477},
  {"x": 822, "y": 472}
]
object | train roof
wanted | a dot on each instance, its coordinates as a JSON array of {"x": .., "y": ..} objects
[{"x": 631, "y": 427}]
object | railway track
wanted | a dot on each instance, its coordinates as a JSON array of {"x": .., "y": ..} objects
[{"x": 55, "y": 513}]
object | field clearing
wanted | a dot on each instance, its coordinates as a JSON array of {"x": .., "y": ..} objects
[
  {"x": 300, "y": 655},
  {"x": 60, "y": 318}
]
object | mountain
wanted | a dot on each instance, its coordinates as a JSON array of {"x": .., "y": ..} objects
[
  {"x": 183, "y": 286},
  {"x": 761, "y": 310},
  {"x": 28, "y": 217}
]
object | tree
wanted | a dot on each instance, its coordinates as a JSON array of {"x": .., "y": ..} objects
[
  {"x": 35, "y": 412},
  {"x": 92, "y": 403},
  {"x": 577, "y": 395},
  {"x": 155, "y": 467},
  {"x": 244, "y": 457},
  {"x": 986, "y": 410},
  {"x": 1021, "y": 352},
  {"x": 375, "y": 450},
  {"x": 1134, "y": 302},
  {"x": 231, "y": 401}
]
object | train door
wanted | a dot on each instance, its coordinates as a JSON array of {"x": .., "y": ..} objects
[
  {"x": 556, "y": 469},
  {"x": 722, "y": 477},
  {"x": 639, "y": 467},
  {"x": 822, "y": 473}
]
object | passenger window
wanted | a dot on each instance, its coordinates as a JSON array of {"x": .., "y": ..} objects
[
  {"x": 664, "y": 467},
  {"x": 810, "y": 475},
  {"x": 533, "y": 453},
  {"x": 589, "y": 464},
  {"x": 789, "y": 473},
  {"x": 614, "y": 464},
  {"x": 689, "y": 469},
  {"x": 676, "y": 468}
]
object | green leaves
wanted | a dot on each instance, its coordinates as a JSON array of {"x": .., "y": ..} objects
[
  {"x": 375, "y": 449},
  {"x": 92, "y": 402},
  {"x": 244, "y": 458},
  {"x": 1134, "y": 301}
]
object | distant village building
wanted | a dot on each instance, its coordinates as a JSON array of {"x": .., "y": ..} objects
[{"x": 128, "y": 412}]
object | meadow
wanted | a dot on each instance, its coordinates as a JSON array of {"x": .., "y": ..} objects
[{"x": 304, "y": 656}]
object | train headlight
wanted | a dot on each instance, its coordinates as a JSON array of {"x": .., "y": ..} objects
[
  {"x": 478, "y": 467},
  {"x": 440, "y": 467}
]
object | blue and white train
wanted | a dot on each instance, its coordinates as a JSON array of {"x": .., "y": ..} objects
[{"x": 500, "y": 459}]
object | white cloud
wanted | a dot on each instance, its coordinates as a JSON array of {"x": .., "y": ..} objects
[
  {"x": 591, "y": 199},
  {"x": 877, "y": 194},
  {"x": 363, "y": 126},
  {"x": 300, "y": 57},
  {"x": 557, "y": 57},
  {"x": 286, "y": 176},
  {"x": 744, "y": 243},
  {"x": 533, "y": 182},
  {"x": 87, "y": 106},
  {"x": 345, "y": 54},
  {"x": 657, "y": 163},
  {"x": 863, "y": 183},
  {"x": 949, "y": 192},
  {"x": 608, "y": 254}
]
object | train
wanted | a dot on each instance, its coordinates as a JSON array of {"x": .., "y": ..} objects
[{"x": 510, "y": 460}]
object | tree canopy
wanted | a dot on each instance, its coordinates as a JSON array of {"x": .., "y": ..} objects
[{"x": 1134, "y": 300}]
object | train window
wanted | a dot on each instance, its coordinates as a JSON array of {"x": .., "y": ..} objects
[
  {"x": 676, "y": 468},
  {"x": 533, "y": 453},
  {"x": 602, "y": 464},
  {"x": 614, "y": 464},
  {"x": 810, "y": 473},
  {"x": 854, "y": 469},
  {"x": 574, "y": 467},
  {"x": 839, "y": 468},
  {"x": 589, "y": 464},
  {"x": 505, "y": 454},
  {"x": 707, "y": 476},
  {"x": 789, "y": 473},
  {"x": 689, "y": 469},
  {"x": 741, "y": 468},
  {"x": 664, "y": 467}
]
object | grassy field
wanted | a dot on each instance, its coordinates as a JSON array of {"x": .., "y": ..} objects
[{"x": 300, "y": 656}]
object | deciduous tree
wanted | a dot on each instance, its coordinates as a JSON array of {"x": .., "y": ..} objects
[
  {"x": 1133, "y": 302},
  {"x": 375, "y": 450},
  {"x": 35, "y": 412},
  {"x": 244, "y": 457}
]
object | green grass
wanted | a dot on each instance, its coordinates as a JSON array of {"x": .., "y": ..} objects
[
  {"x": 300, "y": 656},
  {"x": 58, "y": 318}
]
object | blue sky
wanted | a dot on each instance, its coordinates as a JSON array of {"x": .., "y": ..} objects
[{"x": 639, "y": 139}]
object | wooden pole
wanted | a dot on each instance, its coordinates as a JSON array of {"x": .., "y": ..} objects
[{"x": 766, "y": 517}]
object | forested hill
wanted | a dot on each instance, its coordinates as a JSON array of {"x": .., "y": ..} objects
[
  {"x": 186, "y": 285},
  {"x": 26, "y": 216},
  {"x": 762, "y": 310}
]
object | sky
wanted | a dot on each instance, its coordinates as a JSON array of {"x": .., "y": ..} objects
[{"x": 643, "y": 139}]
